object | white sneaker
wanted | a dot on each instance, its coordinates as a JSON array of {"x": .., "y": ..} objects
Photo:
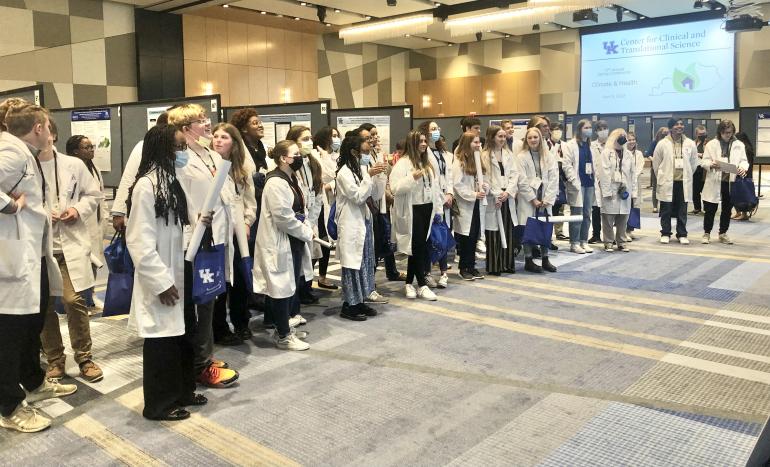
[
  {"x": 723, "y": 238},
  {"x": 481, "y": 247},
  {"x": 98, "y": 304},
  {"x": 684, "y": 240},
  {"x": 426, "y": 293},
  {"x": 410, "y": 291},
  {"x": 430, "y": 281},
  {"x": 706, "y": 239},
  {"x": 25, "y": 419},
  {"x": 443, "y": 281},
  {"x": 375, "y": 297},
  {"x": 608, "y": 247},
  {"x": 300, "y": 334},
  {"x": 575, "y": 248},
  {"x": 632, "y": 235},
  {"x": 290, "y": 342},
  {"x": 665, "y": 239},
  {"x": 49, "y": 390},
  {"x": 586, "y": 247},
  {"x": 294, "y": 321}
]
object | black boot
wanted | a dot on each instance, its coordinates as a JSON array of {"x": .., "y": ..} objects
[
  {"x": 547, "y": 265},
  {"x": 512, "y": 269},
  {"x": 529, "y": 265},
  {"x": 352, "y": 313}
]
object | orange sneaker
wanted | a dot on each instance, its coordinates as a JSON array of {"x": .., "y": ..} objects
[
  {"x": 214, "y": 377},
  {"x": 219, "y": 363}
]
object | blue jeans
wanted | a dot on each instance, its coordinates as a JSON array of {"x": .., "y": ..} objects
[{"x": 578, "y": 231}]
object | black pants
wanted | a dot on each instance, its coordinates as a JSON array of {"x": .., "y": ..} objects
[
  {"x": 236, "y": 297},
  {"x": 677, "y": 207},
  {"x": 20, "y": 350},
  {"x": 391, "y": 271},
  {"x": 596, "y": 222},
  {"x": 698, "y": 179},
  {"x": 278, "y": 310},
  {"x": 421, "y": 219},
  {"x": 190, "y": 329},
  {"x": 724, "y": 216},
  {"x": 323, "y": 262},
  {"x": 168, "y": 371},
  {"x": 466, "y": 244}
]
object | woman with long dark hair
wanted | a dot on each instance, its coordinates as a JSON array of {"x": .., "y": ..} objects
[
  {"x": 327, "y": 142},
  {"x": 158, "y": 213},
  {"x": 467, "y": 221}
]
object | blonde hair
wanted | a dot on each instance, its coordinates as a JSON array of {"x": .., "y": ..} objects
[
  {"x": 542, "y": 149},
  {"x": 21, "y": 119},
  {"x": 185, "y": 114},
  {"x": 614, "y": 135},
  {"x": 238, "y": 152},
  {"x": 5, "y": 106},
  {"x": 464, "y": 154}
]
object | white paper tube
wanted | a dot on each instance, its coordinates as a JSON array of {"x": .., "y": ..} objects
[
  {"x": 479, "y": 174},
  {"x": 323, "y": 243},
  {"x": 555, "y": 219},
  {"x": 501, "y": 228},
  {"x": 384, "y": 201},
  {"x": 215, "y": 190},
  {"x": 240, "y": 230}
]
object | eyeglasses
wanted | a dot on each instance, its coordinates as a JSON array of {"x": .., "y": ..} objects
[
  {"x": 87, "y": 148},
  {"x": 180, "y": 147},
  {"x": 204, "y": 121}
]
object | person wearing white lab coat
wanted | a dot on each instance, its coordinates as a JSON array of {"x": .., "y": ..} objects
[
  {"x": 554, "y": 144},
  {"x": 327, "y": 142},
  {"x": 155, "y": 241},
  {"x": 674, "y": 161},
  {"x": 355, "y": 185},
  {"x": 467, "y": 220},
  {"x": 578, "y": 163},
  {"x": 196, "y": 178},
  {"x": 73, "y": 196},
  {"x": 442, "y": 162},
  {"x": 633, "y": 147},
  {"x": 501, "y": 202},
  {"x": 29, "y": 274},
  {"x": 538, "y": 186},
  {"x": 602, "y": 131},
  {"x": 417, "y": 200},
  {"x": 617, "y": 178},
  {"x": 724, "y": 149},
  {"x": 282, "y": 250}
]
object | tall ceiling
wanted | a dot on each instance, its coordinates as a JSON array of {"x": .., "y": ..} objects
[{"x": 341, "y": 13}]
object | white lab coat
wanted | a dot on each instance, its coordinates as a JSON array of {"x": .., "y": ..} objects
[
  {"x": 314, "y": 201},
  {"x": 596, "y": 150},
  {"x": 157, "y": 250},
  {"x": 26, "y": 234},
  {"x": 351, "y": 215},
  {"x": 445, "y": 181},
  {"x": 465, "y": 188},
  {"x": 609, "y": 184},
  {"x": 663, "y": 165},
  {"x": 273, "y": 267},
  {"x": 639, "y": 161},
  {"x": 95, "y": 231},
  {"x": 526, "y": 193},
  {"x": 570, "y": 164},
  {"x": 328, "y": 178},
  {"x": 77, "y": 189},
  {"x": 498, "y": 183},
  {"x": 712, "y": 186},
  {"x": 127, "y": 179},
  {"x": 404, "y": 187}
]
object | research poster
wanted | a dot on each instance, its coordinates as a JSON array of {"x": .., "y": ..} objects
[
  {"x": 763, "y": 135},
  {"x": 519, "y": 127},
  {"x": 382, "y": 122},
  {"x": 673, "y": 68},
  {"x": 96, "y": 125},
  {"x": 152, "y": 115}
]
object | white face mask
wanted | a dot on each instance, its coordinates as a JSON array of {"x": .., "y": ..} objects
[
  {"x": 587, "y": 132},
  {"x": 603, "y": 134},
  {"x": 556, "y": 135},
  {"x": 305, "y": 147}
]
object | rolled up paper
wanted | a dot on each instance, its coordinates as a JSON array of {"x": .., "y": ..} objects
[
  {"x": 215, "y": 190},
  {"x": 556, "y": 219},
  {"x": 479, "y": 174},
  {"x": 240, "y": 230},
  {"x": 501, "y": 227},
  {"x": 323, "y": 243},
  {"x": 384, "y": 201}
]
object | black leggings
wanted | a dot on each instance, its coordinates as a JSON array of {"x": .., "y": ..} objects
[
  {"x": 278, "y": 310},
  {"x": 466, "y": 244},
  {"x": 323, "y": 262},
  {"x": 711, "y": 210},
  {"x": 237, "y": 297},
  {"x": 421, "y": 219}
]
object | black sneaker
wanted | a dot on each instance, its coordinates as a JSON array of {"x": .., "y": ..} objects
[
  {"x": 244, "y": 333},
  {"x": 553, "y": 247},
  {"x": 352, "y": 313},
  {"x": 594, "y": 240},
  {"x": 466, "y": 275},
  {"x": 529, "y": 265},
  {"x": 367, "y": 310},
  {"x": 477, "y": 274},
  {"x": 562, "y": 237},
  {"x": 536, "y": 252},
  {"x": 229, "y": 340},
  {"x": 547, "y": 266}
]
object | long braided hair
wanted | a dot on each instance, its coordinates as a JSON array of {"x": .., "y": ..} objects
[
  {"x": 347, "y": 159},
  {"x": 158, "y": 154},
  {"x": 73, "y": 149}
]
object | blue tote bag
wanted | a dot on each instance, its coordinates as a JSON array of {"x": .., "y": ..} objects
[
  {"x": 331, "y": 226},
  {"x": 743, "y": 194},
  {"x": 116, "y": 254},
  {"x": 208, "y": 275},
  {"x": 537, "y": 231},
  {"x": 634, "y": 219},
  {"x": 120, "y": 282},
  {"x": 440, "y": 240}
]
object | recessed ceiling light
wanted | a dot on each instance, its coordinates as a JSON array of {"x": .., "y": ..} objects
[
  {"x": 450, "y": 44},
  {"x": 507, "y": 36},
  {"x": 428, "y": 39},
  {"x": 303, "y": 3},
  {"x": 225, "y": 6},
  {"x": 407, "y": 35},
  {"x": 642, "y": 17},
  {"x": 262, "y": 12},
  {"x": 337, "y": 10},
  {"x": 546, "y": 22},
  {"x": 328, "y": 25},
  {"x": 279, "y": 15},
  {"x": 367, "y": 18},
  {"x": 437, "y": 4},
  {"x": 296, "y": 18},
  {"x": 563, "y": 28}
]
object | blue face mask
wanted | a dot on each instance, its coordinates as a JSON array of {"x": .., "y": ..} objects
[
  {"x": 435, "y": 135},
  {"x": 336, "y": 143},
  {"x": 366, "y": 158},
  {"x": 181, "y": 159}
]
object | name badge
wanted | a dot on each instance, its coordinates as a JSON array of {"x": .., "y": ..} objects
[
  {"x": 617, "y": 177},
  {"x": 427, "y": 192},
  {"x": 589, "y": 168},
  {"x": 678, "y": 163},
  {"x": 535, "y": 183}
]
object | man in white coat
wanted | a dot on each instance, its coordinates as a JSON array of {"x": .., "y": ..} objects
[
  {"x": 72, "y": 195},
  {"x": 28, "y": 272},
  {"x": 674, "y": 162}
]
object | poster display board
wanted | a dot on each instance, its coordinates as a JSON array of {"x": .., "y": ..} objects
[
  {"x": 277, "y": 125},
  {"x": 31, "y": 94},
  {"x": 382, "y": 122},
  {"x": 96, "y": 125},
  {"x": 763, "y": 135},
  {"x": 393, "y": 123}
]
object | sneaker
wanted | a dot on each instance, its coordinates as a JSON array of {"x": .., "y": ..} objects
[
  {"x": 665, "y": 239},
  {"x": 608, "y": 247},
  {"x": 98, "y": 304},
  {"x": 706, "y": 239},
  {"x": 443, "y": 281},
  {"x": 430, "y": 281},
  {"x": 481, "y": 247},
  {"x": 477, "y": 274},
  {"x": 228, "y": 339},
  {"x": 375, "y": 297},
  {"x": 426, "y": 293},
  {"x": 290, "y": 342},
  {"x": 367, "y": 310},
  {"x": 586, "y": 248},
  {"x": 302, "y": 320},
  {"x": 695, "y": 212},
  {"x": 632, "y": 236},
  {"x": 55, "y": 371},
  {"x": 219, "y": 363},
  {"x": 294, "y": 321},
  {"x": 214, "y": 377},
  {"x": 594, "y": 240},
  {"x": 300, "y": 334},
  {"x": 352, "y": 313},
  {"x": 25, "y": 419},
  {"x": 466, "y": 275},
  {"x": 723, "y": 238},
  {"x": 684, "y": 240},
  {"x": 49, "y": 390},
  {"x": 628, "y": 238},
  {"x": 623, "y": 248},
  {"x": 410, "y": 291},
  {"x": 561, "y": 237},
  {"x": 245, "y": 334},
  {"x": 91, "y": 372},
  {"x": 575, "y": 248}
]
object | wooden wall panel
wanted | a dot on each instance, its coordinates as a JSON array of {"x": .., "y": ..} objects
[
  {"x": 454, "y": 96},
  {"x": 276, "y": 81},
  {"x": 216, "y": 40},
  {"x": 219, "y": 79},
  {"x": 412, "y": 92},
  {"x": 291, "y": 49},
  {"x": 194, "y": 37},
  {"x": 275, "y": 48},
  {"x": 529, "y": 91},
  {"x": 257, "y": 45},
  {"x": 258, "y": 85},
  {"x": 473, "y": 96},
  {"x": 195, "y": 75},
  {"x": 238, "y": 79},
  {"x": 310, "y": 53},
  {"x": 237, "y": 43},
  {"x": 310, "y": 86},
  {"x": 294, "y": 84},
  {"x": 490, "y": 88}
]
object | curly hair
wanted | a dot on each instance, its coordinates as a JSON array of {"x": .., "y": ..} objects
[{"x": 241, "y": 118}]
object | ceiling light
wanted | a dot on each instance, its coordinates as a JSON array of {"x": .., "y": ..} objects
[
  {"x": 563, "y": 28},
  {"x": 262, "y": 12},
  {"x": 436, "y": 4},
  {"x": 449, "y": 45},
  {"x": 225, "y": 6},
  {"x": 337, "y": 10},
  {"x": 388, "y": 29},
  {"x": 523, "y": 16},
  {"x": 303, "y": 3},
  {"x": 507, "y": 36},
  {"x": 279, "y": 15},
  {"x": 296, "y": 18},
  {"x": 367, "y": 18},
  {"x": 642, "y": 17},
  {"x": 328, "y": 25},
  {"x": 428, "y": 39},
  {"x": 407, "y": 35}
]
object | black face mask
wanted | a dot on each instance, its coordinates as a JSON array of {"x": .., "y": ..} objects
[
  {"x": 622, "y": 140},
  {"x": 296, "y": 163},
  {"x": 702, "y": 138}
]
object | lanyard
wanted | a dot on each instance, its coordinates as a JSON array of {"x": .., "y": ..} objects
[
  {"x": 55, "y": 175},
  {"x": 213, "y": 167},
  {"x": 441, "y": 162}
]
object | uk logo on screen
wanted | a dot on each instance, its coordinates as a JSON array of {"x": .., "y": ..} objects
[{"x": 610, "y": 47}]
